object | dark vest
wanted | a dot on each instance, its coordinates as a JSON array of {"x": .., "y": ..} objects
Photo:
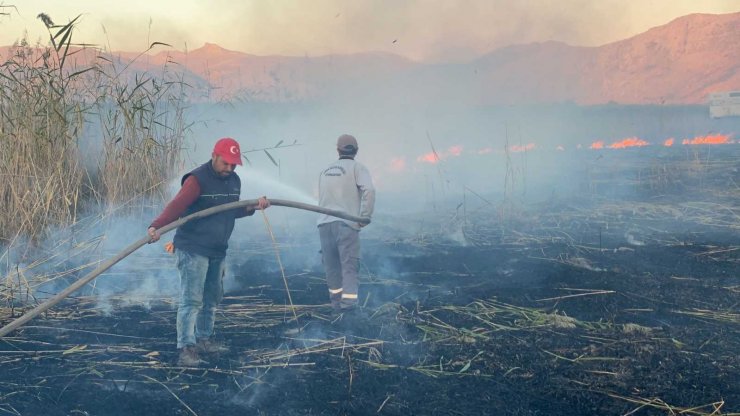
[{"x": 209, "y": 236}]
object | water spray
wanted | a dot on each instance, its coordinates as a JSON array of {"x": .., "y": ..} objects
[{"x": 167, "y": 228}]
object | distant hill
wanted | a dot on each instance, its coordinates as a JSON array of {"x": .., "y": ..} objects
[
  {"x": 681, "y": 62},
  {"x": 677, "y": 63}
]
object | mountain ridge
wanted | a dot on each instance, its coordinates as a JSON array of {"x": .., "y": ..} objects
[{"x": 680, "y": 62}]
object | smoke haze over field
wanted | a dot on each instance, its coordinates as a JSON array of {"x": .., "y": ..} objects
[
  {"x": 551, "y": 158},
  {"x": 422, "y": 154},
  {"x": 427, "y": 154}
]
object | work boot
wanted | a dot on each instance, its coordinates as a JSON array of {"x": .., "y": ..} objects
[
  {"x": 189, "y": 357},
  {"x": 209, "y": 346}
]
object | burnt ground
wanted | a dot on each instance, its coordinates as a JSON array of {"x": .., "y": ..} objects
[{"x": 579, "y": 307}]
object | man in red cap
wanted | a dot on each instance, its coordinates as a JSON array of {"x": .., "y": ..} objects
[{"x": 201, "y": 246}]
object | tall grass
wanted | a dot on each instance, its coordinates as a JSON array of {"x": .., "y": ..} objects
[
  {"x": 42, "y": 179},
  {"x": 80, "y": 130},
  {"x": 142, "y": 129}
]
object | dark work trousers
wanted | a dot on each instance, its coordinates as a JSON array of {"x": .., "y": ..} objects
[{"x": 340, "y": 253}]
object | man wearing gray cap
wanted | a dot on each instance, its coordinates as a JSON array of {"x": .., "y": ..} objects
[{"x": 346, "y": 186}]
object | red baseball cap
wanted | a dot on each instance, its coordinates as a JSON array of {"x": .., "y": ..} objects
[{"x": 229, "y": 151}]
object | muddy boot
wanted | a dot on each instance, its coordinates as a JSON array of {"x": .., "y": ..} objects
[
  {"x": 209, "y": 346},
  {"x": 189, "y": 357}
]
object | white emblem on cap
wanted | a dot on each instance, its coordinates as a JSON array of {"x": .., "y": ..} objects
[{"x": 233, "y": 150}]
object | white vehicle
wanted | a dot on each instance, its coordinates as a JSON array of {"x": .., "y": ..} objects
[{"x": 724, "y": 104}]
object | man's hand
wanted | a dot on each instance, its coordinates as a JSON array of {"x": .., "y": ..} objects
[
  {"x": 263, "y": 203},
  {"x": 153, "y": 234}
]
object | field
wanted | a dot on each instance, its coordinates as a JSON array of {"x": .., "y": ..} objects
[{"x": 624, "y": 299}]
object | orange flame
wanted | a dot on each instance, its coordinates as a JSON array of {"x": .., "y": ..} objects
[
  {"x": 710, "y": 139},
  {"x": 430, "y": 157},
  {"x": 668, "y": 142},
  {"x": 622, "y": 144},
  {"x": 517, "y": 148},
  {"x": 629, "y": 142}
]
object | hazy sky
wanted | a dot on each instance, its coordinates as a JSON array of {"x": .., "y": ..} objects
[{"x": 421, "y": 29}]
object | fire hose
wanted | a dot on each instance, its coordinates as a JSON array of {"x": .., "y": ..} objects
[{"x": 167, "y": 228}]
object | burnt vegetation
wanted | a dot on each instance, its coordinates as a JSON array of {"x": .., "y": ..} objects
[
  {"x": 597, "y": 304},
  {"x": 621, "y": 300}
]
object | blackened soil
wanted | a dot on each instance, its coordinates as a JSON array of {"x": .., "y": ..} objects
[
  {"x": 615, "y": 311},
  {"x": 654, "y": 323}
]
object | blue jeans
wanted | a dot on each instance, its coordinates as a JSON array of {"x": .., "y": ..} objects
[{"x": 201, "y": 290}]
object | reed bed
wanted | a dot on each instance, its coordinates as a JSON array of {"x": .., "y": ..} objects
[{"x": 78, "y": 132}]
